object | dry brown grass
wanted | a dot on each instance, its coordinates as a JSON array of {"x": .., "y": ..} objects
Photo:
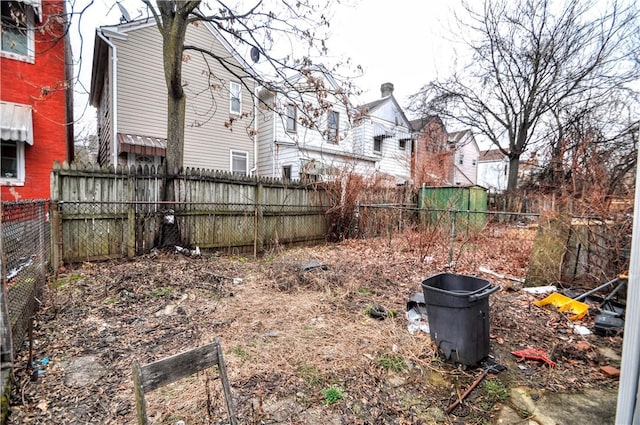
[{"x": 287, "y": 335}]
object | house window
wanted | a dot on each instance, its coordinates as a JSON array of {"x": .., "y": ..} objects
[
  {"x": 17, "y": 30},
  {"x": 12, "y": 163},
  {"x": 239, "y": 162},
  {"x": 286, "y": 172},
  {"x": 402, "y": 144},
  {"x": 332, "y": 126},
  {"x": 235, "y": 93},
  {"x": 460, "y": 159},
  {"x": 291, "y": 118},
  {"x": 377, "y": 144}
]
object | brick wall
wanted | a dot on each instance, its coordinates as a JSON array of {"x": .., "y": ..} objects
[{"x": 41, "y": 84}]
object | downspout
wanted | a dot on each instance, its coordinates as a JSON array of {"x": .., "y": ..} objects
[
  {"x": 114, "y": 96},
  {"x": 274, "y": 147},
  {"x": 255, "y": 132},
  {"x": 627, "y": 411}
]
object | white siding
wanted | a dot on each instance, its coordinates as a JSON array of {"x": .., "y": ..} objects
[
  {"x": 467, "y": 152},
  {"x": 493, "y": 175},
  {"x": 391, "y": 160},
  {"x": 281, "y": 148}
]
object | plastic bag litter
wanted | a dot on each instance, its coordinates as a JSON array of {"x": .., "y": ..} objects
[{"x": 417, "y": 322}]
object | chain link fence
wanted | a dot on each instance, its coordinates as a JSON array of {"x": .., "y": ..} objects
[
  {"x": 25, "y": 265},
  {"x": 552, "y": 248}
]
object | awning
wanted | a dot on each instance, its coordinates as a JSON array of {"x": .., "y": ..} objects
[
  {"x": 37, "y": 6},
  {"x": 142, "y": 145},
  {"x": 16, "y": 122},
  {"x": 380, "y": 130}
]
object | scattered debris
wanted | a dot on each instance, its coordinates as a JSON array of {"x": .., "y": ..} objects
[
  {"x": 533, "y": 354},
  {"x": 540, "y": 290},
  {"x": 417, "y": 314},
  {"x": 188, "y": 252},
  {"x": 610, "y": 371},
  {"x": 493, "y": 368},
  {"x": 581, "y": 330},
  {"x": 22, "y": 264},
  {"x": 565, "y": 304},
  {"x": 378, "y": 312},
  {"x": 313, "y": 265},
  {"x": 485, "y": 270},
  {"x": 606, "y": 325}
]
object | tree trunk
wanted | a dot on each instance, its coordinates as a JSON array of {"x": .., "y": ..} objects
[{"x": 512, "y": 181}]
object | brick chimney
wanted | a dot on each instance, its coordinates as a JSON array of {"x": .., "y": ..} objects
[{"x": 386, "y": 89}]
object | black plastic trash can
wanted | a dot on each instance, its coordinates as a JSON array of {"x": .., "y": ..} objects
[{"x": 458, "y": 314}]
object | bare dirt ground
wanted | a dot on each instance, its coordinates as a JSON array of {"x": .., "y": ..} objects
[{"x": 300, "y": 346}]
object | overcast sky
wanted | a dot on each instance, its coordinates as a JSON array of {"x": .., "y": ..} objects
[{"x": 402, "y": 42}]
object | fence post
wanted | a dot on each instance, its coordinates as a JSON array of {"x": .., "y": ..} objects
[
  {"x": 258, "y": 222},
  {"x": 452, "y": 237},
  {"x": 131, "y": 218},
  {"x": 56, "y": 234}
]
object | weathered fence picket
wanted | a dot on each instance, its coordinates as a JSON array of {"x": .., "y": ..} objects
[{"x": 101, "y": 213}]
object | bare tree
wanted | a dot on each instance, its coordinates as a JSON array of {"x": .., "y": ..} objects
[
  {"x": 530, "y": 60},
  {"x": 259, "y": 28}
]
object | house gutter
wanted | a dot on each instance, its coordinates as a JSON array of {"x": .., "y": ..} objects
[
  {"x": 114, "y": 96},
  {"x": 255, "y": 132},
  {"x": 628, "y": 408},
  {"x": 273, "y": 145}
]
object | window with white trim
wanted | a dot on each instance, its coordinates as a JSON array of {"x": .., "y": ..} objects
[
  {"x": 240, "y": 162},
  {"x": 291, "y": 118},
  {"x": 377, "y": 144},
  {"x": 333, "y": 119},
  {"x": 11, "y": 163},
  {"x": 16, "y": 30},
  {"x": 235, "y": 97}
]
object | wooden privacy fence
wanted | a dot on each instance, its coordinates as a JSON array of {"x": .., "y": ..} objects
[{"x": 100, "y": 213}]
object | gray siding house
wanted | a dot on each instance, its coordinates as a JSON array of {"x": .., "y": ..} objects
[{"x": 128, "y": 88}]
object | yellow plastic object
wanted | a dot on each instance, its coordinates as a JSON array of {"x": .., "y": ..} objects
[{"x": 565, "y": 304}]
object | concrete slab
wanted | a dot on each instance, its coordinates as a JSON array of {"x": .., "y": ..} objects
[{"x": 531, "y": 407}]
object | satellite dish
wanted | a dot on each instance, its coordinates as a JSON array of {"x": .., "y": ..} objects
[
  {"x": 255, "y": 54},
  {"x": 125, "y": 15}
]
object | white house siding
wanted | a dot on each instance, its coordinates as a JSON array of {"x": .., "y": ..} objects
[
  {"x": 493, "y": 175},
  {"x": 142, "y": 97},
  {"x": 466, "y": 148},
  {"x": 391, "y": 160},
  {"x": 264, "y": 119},
  {"x": 307, "y": 150}
]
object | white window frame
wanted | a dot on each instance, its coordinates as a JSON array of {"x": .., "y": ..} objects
[
  {"x": 378, "y": 140},
  {"x": 235, "y": 88},
  {"x": 233, "y": 153},
  {"x": 292, "y": 117},
  {"x": 20, "y": 167},
  {"x": 30, "y": 56},
  {"x": 333, "y": 138}
]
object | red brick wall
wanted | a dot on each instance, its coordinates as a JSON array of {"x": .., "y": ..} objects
[{"x": 41, "y": 84}]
